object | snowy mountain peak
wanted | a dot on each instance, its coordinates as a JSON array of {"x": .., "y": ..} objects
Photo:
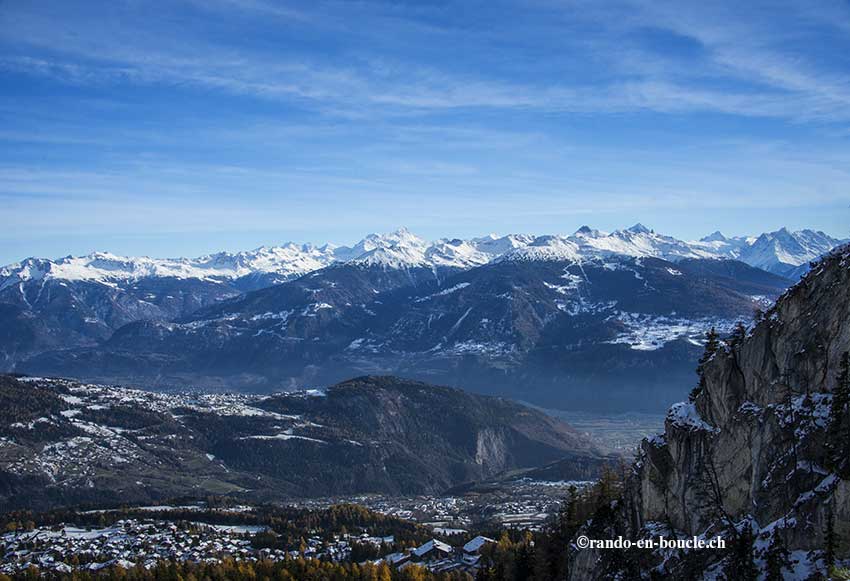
[
  {"x": 456, "y": 253},
  {"x": 639, "y": 229},
  {"x": 635, "y": 241},
  {"x": 782, "y": 252},
  {"x": 497, "y": 245},
  {"x": 546, "y": 248},
  {"x": 786, "y": 252},
  {"x": 400, "y": 238},
  {"x": 398, "y": 249},
  {"x": 287, "y": 261},
  {"x": 588, "y": 232},
  {"x": 396, "y": 256},
  {"x": 716, "y": 236}
]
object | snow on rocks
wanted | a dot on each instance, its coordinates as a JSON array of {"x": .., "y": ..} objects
[{"x": 685, "y": 416}]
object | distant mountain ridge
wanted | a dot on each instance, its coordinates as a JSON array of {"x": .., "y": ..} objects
[
  {"x": 782, "y": 252},
  {"x": 566, "y": 313},
  {"x": 551, "y": 330}
]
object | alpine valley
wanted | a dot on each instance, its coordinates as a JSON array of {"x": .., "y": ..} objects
[{"x": 552, "y": 320}]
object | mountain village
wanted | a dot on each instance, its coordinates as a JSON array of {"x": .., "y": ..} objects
[{"x": 142, "y": 542}]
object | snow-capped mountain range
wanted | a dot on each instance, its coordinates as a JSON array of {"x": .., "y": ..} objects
[
  {"x": 781, "y": 252},
  {"x": 288, "y": 260},
  {"x": 585, "y": 310}
]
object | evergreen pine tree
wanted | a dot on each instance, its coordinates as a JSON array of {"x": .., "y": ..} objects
[
  {"x": 838, "y": 432},
  {"x": 777, "y": 558},
  {"x": 741, "y": 565},
  {"x": 564, "y": 527},
  {"x": 829, "y": 539},
  {"x": 739, "y": 333},
  {"x": 524, "y": 563},
  {"x": 712, "y": 344}
]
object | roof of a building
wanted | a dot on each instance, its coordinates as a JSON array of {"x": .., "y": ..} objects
[
  {"x": 431, "y": 545},
  {"x": 476, "y": 544}
]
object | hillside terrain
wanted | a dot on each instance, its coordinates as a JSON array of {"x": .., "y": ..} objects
[{"x": 65, "y": 443}]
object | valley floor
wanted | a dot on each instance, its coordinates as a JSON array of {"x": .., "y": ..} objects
[
  {"x": 619, "y": 433},
  {"x": 393, "y": 528}
]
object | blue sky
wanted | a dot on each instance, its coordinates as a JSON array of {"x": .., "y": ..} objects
[{"x": 184, "y": 127}]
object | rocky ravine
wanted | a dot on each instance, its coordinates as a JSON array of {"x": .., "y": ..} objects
[{"x": 750, "y": 448}]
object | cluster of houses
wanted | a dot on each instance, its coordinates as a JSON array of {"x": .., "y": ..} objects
[
  {"x": 336, "y": 549},
  {"x": 441, "y": 557},
  {"x": 518, "y": 504},
  {"x": 131, "y": 542},
  {"x": 127, "y": 543}
]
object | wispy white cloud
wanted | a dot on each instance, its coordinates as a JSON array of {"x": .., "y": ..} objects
[
  {"x": 501, "y": 114},
  {"x": 758, "y": 81}
]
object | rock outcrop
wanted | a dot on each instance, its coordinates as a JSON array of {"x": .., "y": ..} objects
[{"x": 750, "y": 449}]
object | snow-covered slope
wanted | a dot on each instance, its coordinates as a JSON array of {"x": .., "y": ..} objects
[
  {"x": 782, "y": 252},
  {"x": 637, "y": 241},
  {"x": 399, "y": 249},
  {"x": 555, "y": 248},
  {"x": 65, "y": 443},
  {"x": 402, "y": 249},
  {"x": 289, "y": 261}
]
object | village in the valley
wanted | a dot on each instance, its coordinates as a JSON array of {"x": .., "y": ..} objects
[
  {"x": 131, "y": 542},
  {"x": 136, "y": 540},
  {"x": 522, "y": 503}
]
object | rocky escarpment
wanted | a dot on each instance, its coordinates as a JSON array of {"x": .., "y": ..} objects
[{"x": 750, "y": 450}]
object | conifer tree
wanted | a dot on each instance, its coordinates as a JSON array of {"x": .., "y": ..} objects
[
  {"x": 829, "y": 539},
  {"x": 777, "y": 558},
  {"x": 741, "y": 565},
  {"x": 739, "y": 333},
  {"x": 838, "y": 432},
  {"x": 712, "y": 344}
]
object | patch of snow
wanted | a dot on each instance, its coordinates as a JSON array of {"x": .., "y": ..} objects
[
  {"x": 444, "y": 292},
  {"x": 684, "y": 415}
]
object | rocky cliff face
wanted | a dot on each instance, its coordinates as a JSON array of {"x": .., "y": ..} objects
[{"x": 750, "y": 449}]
